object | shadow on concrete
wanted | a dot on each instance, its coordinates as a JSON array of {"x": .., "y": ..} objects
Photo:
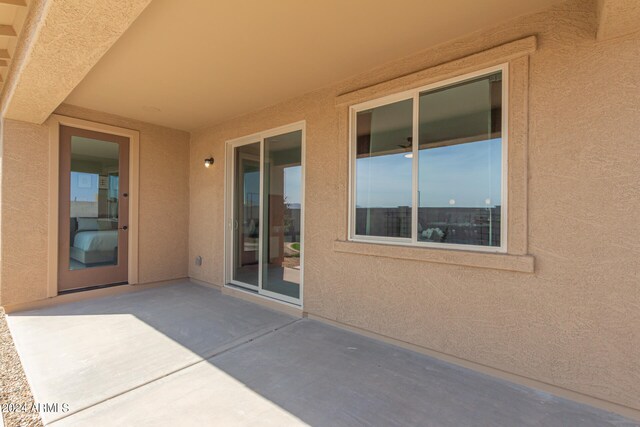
[{"x": 267, "y": 367}]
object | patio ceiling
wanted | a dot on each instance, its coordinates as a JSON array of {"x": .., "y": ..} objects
[{"x": 189, "y": 64}]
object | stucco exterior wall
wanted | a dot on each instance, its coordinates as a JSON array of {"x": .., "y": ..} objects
[
  {"x": 163, "y": 208},
  {"x": 25, "y": 192},
  {"x": 574, "y": 322}
]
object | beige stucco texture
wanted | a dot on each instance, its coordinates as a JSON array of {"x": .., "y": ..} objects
[
  {"x": 65, "y": 39},
  {"x": 617, "y": 18},
  {"x": 163, "y": 203},
  {"x": 574, "y": 321}
]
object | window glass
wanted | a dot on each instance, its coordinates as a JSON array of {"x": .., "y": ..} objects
[
  {"x": 460, "y": 163},
  {"x": 246, "y": 229},
  {"x": 456, "y": 180},
  {"x": 383, "y": 179},
  {"x": 282, "y": 207}
]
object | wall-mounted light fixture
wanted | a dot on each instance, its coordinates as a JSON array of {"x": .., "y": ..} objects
[{"x": 208, "y": 162}]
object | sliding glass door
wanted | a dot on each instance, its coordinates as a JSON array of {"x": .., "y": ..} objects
[
  {"x": 246, "y": 223},
  {"x": 266, "y": 198},
  {"x": 282, "y": 204}
]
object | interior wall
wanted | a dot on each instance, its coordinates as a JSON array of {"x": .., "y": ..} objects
[
  {"x": 573, "y": 323},
  {"x": 163, "y": 209}
]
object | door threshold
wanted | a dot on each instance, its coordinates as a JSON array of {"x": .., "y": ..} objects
[
  {"x": 255, "y": 297},
  {"x": 241, "y": 288},
  {"x": 91, "y": 288}
]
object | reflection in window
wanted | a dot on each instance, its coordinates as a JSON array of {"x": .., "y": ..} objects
[
  {"x": 383, "y": 171},
  {"x": 282, "y": 206},
  {"x": 458, "y": 179},
  {"x": 247, "y": 214},
  {"x": 93, "y": 204},
  {"x": 460, "y": 163}
]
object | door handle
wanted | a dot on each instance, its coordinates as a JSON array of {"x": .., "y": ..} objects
[{"x": 124, "y": 227}]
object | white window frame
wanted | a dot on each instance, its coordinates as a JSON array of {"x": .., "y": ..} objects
[{"x": 415, "y": 94}]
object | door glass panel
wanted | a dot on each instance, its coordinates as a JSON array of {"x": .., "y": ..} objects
[
  {"x": 94, "y": 200},
  {"x": 282, "y": 204},
  {"x": 246, "y": 221}
]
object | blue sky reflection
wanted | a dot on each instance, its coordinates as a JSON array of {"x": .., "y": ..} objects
[{"x": 468, "y": 175}]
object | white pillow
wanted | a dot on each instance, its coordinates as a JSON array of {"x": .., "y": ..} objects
[
  {"x": 86, "y": 224},
  {"x": 105, "y": 224}
]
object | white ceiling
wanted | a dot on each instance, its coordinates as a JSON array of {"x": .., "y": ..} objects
[{"x": 192, "y": 63}]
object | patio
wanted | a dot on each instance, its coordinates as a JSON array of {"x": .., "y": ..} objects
[{"x": 184, "y": 354}]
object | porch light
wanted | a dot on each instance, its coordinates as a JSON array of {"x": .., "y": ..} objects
[{"x": 208, "y": 162}]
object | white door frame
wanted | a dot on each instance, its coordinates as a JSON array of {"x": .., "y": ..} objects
[
  {"x": 230, "y": 147},
  {"x": 55, "y": 121}
]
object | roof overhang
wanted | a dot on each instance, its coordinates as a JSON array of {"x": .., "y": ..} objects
[
  {"x": 61, "y": 42},
  {"x": 190, "y": 64}
]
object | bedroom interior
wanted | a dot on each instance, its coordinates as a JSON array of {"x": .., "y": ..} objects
[
  {"x": 93, "y": 193},
  {"x": 93, "y": 203}
]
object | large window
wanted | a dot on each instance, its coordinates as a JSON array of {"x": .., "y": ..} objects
[{"x": 428, "y": 165}]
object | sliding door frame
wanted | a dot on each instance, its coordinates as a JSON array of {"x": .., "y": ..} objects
[
  {"x": 230, "y": 255},
  {"x": 229, "y": 203}
]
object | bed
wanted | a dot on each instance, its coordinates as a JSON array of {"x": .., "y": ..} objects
[{"x": 94, "y": 240}]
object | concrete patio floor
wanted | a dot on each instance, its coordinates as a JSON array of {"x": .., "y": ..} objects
[{"x": 184, "y": 354}]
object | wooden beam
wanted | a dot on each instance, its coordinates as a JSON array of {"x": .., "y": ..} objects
[
  {"x": 3, "y": 62},
  {"x": 7, "y": 30},
  {"x": 4, "y": 54}
]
